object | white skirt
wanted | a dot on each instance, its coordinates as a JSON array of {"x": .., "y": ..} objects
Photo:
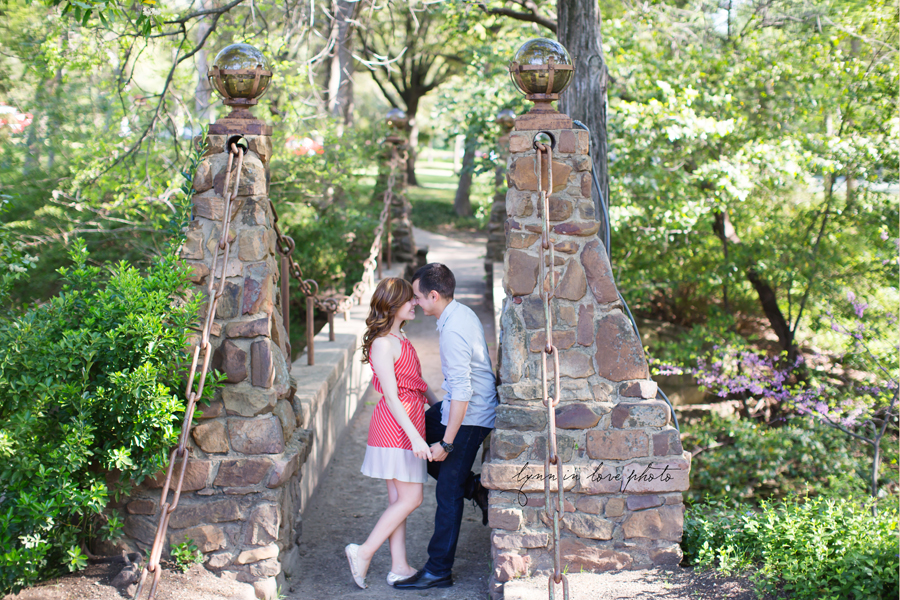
[{"x": 394, "y": 463}]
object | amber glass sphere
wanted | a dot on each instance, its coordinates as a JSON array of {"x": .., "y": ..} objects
[
  {"x": 506, "y": 118},
  {"x": 396, "y": 118},
  {"x": 540, "y": 51},
  {"x": 248, "y": 61}
]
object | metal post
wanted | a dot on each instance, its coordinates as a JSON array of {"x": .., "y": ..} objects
[
  {"x": 286, "y": 296},
  {"x": 388, "y": 229},
  {"x": 310, "y": 331},
  {"x": 330, "y": 325}
]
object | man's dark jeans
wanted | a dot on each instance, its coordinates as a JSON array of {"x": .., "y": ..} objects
[{"x": 454, "y": 477}]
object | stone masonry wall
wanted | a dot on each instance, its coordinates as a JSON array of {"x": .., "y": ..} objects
[
  {"x": 624, "y": 466},
  {"x": 239, "y": 488}
]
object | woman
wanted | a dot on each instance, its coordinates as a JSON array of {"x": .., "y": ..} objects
[{"x": 396, "y": 449}]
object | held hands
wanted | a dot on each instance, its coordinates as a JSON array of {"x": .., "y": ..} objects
[
  {"x": 421, "y": 449},
  {"x": 438, "y": 454}
]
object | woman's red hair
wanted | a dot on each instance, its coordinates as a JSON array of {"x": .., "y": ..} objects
[{"x": 389, "y": 296}]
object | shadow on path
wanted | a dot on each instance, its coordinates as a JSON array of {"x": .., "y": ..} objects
[{"x": 346, "y": 505}]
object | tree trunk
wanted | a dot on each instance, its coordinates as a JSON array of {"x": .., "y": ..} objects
[
  {"x": 340, "y": 84},
  {"x": 412, "y": 106},
  {"x": 462, "y": 204},
  {"x": 767, "y": 296},
  {"x": 585, "y": 99},
  {"x": 203, "y": 91}
]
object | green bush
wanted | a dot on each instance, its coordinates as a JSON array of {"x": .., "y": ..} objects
[
  {"x": 90, "y": 383},
  {"x": 821, "y": 548},
  {"x": 748, "y": 460}
]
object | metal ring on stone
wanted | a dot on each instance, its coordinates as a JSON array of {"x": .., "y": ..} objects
[{"x": 534, "y": 140}]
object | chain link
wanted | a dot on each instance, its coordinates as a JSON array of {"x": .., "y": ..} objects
[
  {"x": 181, "y": 450},
  {"x": 548, "y": 292}
]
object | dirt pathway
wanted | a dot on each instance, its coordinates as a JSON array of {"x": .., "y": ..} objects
[{"x": 347, "y": 504}]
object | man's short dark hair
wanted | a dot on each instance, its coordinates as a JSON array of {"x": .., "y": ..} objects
[{"x": 435, "y": 277}]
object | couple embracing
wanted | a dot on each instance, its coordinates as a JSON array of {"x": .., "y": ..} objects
[{"x": 407, "y": 443}]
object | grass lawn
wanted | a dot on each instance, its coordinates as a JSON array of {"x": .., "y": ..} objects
[{"x": 432, "y": 200}]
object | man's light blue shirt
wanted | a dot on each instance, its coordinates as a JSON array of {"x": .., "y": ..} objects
[{"x": 466, "y": 366}]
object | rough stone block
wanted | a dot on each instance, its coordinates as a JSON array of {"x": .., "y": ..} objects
[
  {"x": 520, "y": 418},
  {"x": 589, "y": 526},
  {"x": 257, "y": 289},
  {"x": 585, "y": 332},
  {"x": 249, "y": 328},
  {"x": 586, "y": 185},
  {"x": 203, "y": 177},
  {"x": 634, "y": 415},
  {"x": 521, "y": 240},
  {"x": 560, "y": 208},
  {"x": 667, "y": 443},
  {"x": 208, "y": 511},
  {"x": 563, "y": 340},
  {"x": 573, "y": 284},
  {"x": 519, "y": 142},
  {"x": 140, "y": 528},
  {"x": 567, "y": 247},
  {"x": 512, "y": 541},
  {"x": 519, "y": 204},
  {"x": 242, "y": 473},
  {"x": 565, "y": 448},
  {"x": 141, "y": 506},
  {"x": 619, "y": 353},
  {"x": 284, "y": 469},
  {"x": 617, "y": 445},
  {"x": 575, "y": 364},
  {"x": 230, "y": 302},
  {"x": 509, "y": 565},
  {"x": 211, "y": 437},
  {"x": 599, "y": 478},
  {"x": 615, "y": 507},
  {"x": 635, "y": 503},
  {"x": 599, "y": 272},
  {"x": 232, "y": 360},
  {"x": 660, "y": 476},
  {"x": 256, "y": 436},
  {"x": 261, "y": 366},
  {"x": 668, "y": 555},
  {"x": 253, "y": 244},
  {"x": 192, "y": 248},
  {"x": 588, "y": 556},
  {"x": 248, "y": 401},
  {"x": 257, "y": 554},
  {"x": 592, "y": 505},
  {"x": 209, "y": 205},
  {"x": 663, "y": 523},
  {"x": 639, "y": 389},
  {"x": 213, "y": 410},
  {"x": 262, "y": 526},
  {"x": 506, "y": 444},
  {"x": 576, "y": 416},
  {"x": 577, "y": 228},
  {"x": 566, "y": 144},
  {"x": 524, "y": 177},
  {"x": 583, "y": 163},
  {"x": 196, "y": 474},
  {"x": 510, "y": 519},
  {"x": 521, "y": 273},
  {"x": 208, "y": 538}
]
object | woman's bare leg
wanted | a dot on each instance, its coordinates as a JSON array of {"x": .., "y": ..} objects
[{"x": 409, "y": 497}]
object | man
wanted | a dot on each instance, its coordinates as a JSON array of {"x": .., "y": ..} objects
[{"x": 456, "y": 427}]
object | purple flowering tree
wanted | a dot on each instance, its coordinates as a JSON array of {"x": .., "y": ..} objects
[{"x": 863, "y": 406}]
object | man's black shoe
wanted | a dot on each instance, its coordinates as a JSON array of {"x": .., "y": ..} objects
[
  {"x": 480, "y": 496},
  {"x": 424, "y": 580}
]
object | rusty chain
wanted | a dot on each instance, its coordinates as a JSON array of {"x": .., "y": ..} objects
[
  {"x": 548, "y": 287},
  {"x": 181, "y": 451}
]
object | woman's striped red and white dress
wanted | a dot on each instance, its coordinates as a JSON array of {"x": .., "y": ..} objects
[{"x": 389, "y": 452}]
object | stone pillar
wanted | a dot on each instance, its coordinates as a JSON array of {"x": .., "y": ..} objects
[
  {"x": 403, "y": 246},
  {"x": 239, "y": 501},
  {"x": 624, "y": 466},
  {"x": 496, "y": 244}
]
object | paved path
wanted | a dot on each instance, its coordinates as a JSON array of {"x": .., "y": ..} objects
[{"x": 347, "y": 504}]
